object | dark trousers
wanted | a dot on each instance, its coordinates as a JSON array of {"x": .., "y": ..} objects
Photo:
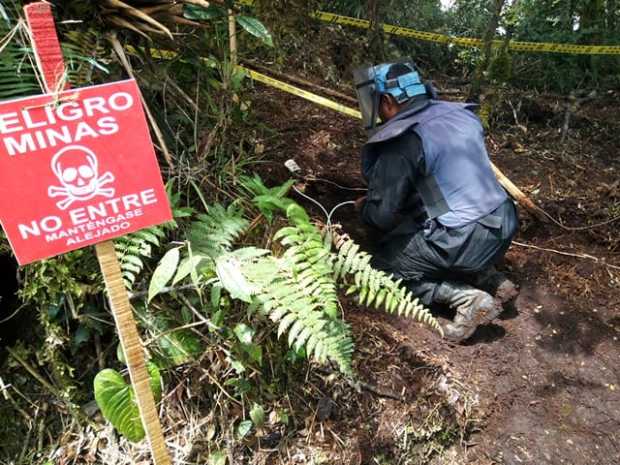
[{"x": 436, "y": 254}]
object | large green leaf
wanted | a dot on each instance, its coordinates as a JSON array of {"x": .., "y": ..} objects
[
  {"x": 256, "y": 28},
  {"x": 244, "y": 333},
  {"x": 117, "y": 401},
  {"x": 164, "y": 272},
  {"x": 180, "y": 346},
  {"x": 257, "y": 414},
  {"x": 228, "y": 269},
  {"x": 217, "y": 458},
  {"x": 244, "y": 428},
  {"x": 199, "y": 13},
  {"x": 187, "y": 266}
]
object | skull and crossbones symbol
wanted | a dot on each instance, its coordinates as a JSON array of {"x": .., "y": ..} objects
[{"x": 77, "y": 169}]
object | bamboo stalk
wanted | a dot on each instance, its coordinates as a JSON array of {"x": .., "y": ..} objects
[
  {"x": 519, "y": 196},
  {"x": 232, "y": 37},
  {"x": 132, "y": 347}
]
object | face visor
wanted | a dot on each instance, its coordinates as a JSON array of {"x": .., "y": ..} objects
[
  {"x": 367, "y": 95},
  {"x": 372, "y": 82}
]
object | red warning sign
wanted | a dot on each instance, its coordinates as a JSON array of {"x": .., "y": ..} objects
[{"x": 77, "y": 168}]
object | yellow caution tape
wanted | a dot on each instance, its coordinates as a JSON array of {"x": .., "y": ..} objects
[
  {"x": 168, "y": 55},
  {"x": 471, "y": 42},
  {"x": 165, "y": 54},
  {"x": 301, "y": 93},
  {"x": 516, "y": 46}
]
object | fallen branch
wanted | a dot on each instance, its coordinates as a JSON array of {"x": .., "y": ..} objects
[
  {"x": 520, "y": 197},
  {"x": 376, "y": 390},
  {"x": 600, "y": 261}
]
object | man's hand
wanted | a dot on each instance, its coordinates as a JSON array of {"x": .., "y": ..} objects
[{"x": 359, "y": 203}]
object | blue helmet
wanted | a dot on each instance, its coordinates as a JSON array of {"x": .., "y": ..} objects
[{"x": 372, "y": 82}]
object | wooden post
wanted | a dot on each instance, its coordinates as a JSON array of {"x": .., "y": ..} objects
[
  {"x": 51, "y": 65},
  {"x": 232, "y": 38},
  {"x": 519, "y": 196},
  {"x": 132, "y": 346}
]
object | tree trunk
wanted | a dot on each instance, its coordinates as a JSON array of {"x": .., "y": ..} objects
[
  {"x": 592, "y": 19},
  {"x": 376, "y": 48},
  {"x": 592, "y": 23},
  {"x": 476, "y": 87},
  {"x": 570, "y": 14},
  {"x": 612, "y": 13}
]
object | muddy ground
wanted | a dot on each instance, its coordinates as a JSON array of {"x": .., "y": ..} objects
[{"x": 541, "y": 385}]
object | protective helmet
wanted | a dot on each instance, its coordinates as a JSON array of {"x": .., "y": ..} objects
[{"x": 372, "y": 81}]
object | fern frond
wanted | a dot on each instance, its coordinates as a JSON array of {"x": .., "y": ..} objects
[
  {"x": 215, "y": 231},
  {"x": 17, "y": 75},
  {"x": 310, "y": 260},
  {"x": 82, "y": 51},
  {"x": 376, "y": 288},
  {"x": 293, "y": 303},
  {"x": 132, "y": 249}
]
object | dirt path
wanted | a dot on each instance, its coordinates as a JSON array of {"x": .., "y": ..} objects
[
  {"x": 548, "y": 379},
  {"x": 546, "y": 376}
]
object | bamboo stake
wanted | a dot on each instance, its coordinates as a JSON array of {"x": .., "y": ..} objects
[
  {"x": 132, "y": 347},
  {"x": 51, "y": 63},
  {"x": 519, "y": 196},
  {"x": 232, "y": 38}
]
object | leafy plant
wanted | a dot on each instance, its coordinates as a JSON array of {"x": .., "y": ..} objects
[
  {"x": 117, "y": 401},
  {"x": 132, "y": 249},
  {"x": 269, "y": 200},
  {"x": 297, "y": 289},
  {"x": 215, "y": 231},
  {"x": 256, "y": 28},
  {"x": 164, "y": 272}
]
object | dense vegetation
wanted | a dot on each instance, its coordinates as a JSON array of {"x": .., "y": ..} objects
[{"x": 241, "y": 295}]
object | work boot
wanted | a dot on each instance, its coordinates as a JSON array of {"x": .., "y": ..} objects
[
  {"x": 473, "y": 308},
  {"x": 497, "y": 284}
]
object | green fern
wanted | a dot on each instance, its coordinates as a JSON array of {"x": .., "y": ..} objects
[
  {"x": 376, "y": 288},
  {"x": 132, "y": 249},
  {"x": 298, "y": 288},
  {"x": 215, "y": 232},
  {"x": 311, "y": 258},
  {"x": 311, "y": 250},
  {"x": 82, "y": 50},
  {"x": 17, "y": 75},
  {"x": 296, "y": 305}
]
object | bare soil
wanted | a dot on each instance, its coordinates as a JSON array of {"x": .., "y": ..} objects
[{"x": 541, "y": 385}]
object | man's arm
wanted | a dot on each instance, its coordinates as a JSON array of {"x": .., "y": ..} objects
[{"x": 391, "y": 183}]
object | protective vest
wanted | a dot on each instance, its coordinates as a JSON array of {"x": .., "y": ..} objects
[{"x": 459, "y": 186}]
